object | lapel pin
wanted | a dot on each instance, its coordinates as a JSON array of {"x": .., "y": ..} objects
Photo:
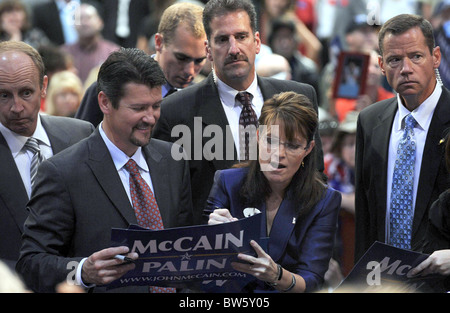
[
  {"x": 441, "y": 141},
  {"x": 251, "y": 211}
]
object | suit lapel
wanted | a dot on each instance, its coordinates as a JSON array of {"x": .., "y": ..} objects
[
  {"x": 103, "y": 168},
  {"x": 13, "y": 191},
  {"x": 267, "y": 89},
  {"x": 282, "y": 227},
  {"x": 210, "y": 110},
  {"x": 432, "y": 156},
  {"x": 209, "y": 106},
  {"x": 380, "y": 141},
  {"x": 159, "y": 175},
  {"x": 58, "y": 137}
]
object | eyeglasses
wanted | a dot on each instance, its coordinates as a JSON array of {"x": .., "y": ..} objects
[{"x": 290, "y": 148}]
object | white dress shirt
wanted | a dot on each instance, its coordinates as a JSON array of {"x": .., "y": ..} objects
[
  {"x": 123, "y": 20},
  {"x": 233, "y": 108},
  {"x": 120, "y": 159},
  {"x": 423, "y": 115},
  {"x": 21, "y": 155},
  {"x": 68, "y": 18}
]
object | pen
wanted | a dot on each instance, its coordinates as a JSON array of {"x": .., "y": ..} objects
[{"x": 123, "y": 258}]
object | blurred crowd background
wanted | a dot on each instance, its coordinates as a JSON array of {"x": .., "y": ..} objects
[{"x": 302, "y": 39}]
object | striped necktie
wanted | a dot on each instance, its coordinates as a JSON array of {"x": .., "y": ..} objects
[{"x": 32, "y": 145}]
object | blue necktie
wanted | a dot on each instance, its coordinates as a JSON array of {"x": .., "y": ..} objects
[{"x": 401, "y": 214}]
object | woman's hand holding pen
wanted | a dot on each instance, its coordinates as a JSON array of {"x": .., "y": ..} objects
[
  {"x": 219, "y": 216},
  {"x": 103, "y": 267}
]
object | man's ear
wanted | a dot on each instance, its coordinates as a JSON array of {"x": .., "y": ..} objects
[
  {"x": 381, "y": 64},
  {"x": 104, "y": 103},
  {"x": 436, "y": 57},
  {"x": 258, "y": 42},
  {"x": 44, "y": 86},
  {"x": 158, "y": 42},
  {"x": 208, "y": 51}
]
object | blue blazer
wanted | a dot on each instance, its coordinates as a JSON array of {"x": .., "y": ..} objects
[{"x": 302, "y": 245}]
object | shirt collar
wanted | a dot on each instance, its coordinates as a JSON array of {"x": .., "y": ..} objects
[
  {"x": 119, "y": 157},
  {"x": 228, "y": 94},
  {"x": 424, "y": 112},
  {"x": 62, "y": 4},
  {"x": 16, "y": 141},
  {"x": 41, "y": 134},
  {"x": 166, "y": 88}
]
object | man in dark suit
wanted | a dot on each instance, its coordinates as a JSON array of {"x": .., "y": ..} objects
[
  {"x": 233, "y": 43},
  {"x": 409, "y": 61},
  {"x": 122, "y": 22},
  {"x": 180, "y": 52},
  {"x": 56, "y": 19},
  {"x": 22, "y": 85},
  {"x": 86, "y": 190}
]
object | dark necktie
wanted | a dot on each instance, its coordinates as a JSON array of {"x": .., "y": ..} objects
[
  {"x": 33, "y": 146},
  {"x": 145, "y": 208},
  {"x": 171, "y": 91},
  {"x": 248, "y": 123},
  {"x": 401, "y": 214}
]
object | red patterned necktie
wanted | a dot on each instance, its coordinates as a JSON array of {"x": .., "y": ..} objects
[
  {"x": 247, "y": 135},
  {"x": 145, "y": 208}
]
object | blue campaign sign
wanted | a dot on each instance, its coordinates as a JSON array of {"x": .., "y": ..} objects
[
  {"x": 194, "y": 257},
  {"x": 384, "y": 268}
]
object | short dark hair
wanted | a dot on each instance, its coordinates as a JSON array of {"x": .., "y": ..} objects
[
  {"x": 55, "y": 59},
  {"x": 214, "y": 8},
  {"x": 128, "y": 65},
  {"x": 399, "y": 24},
  {"x": 281, "y": 23}
]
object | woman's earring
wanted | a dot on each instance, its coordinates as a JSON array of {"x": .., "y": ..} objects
[{"x": 303, "y": 164}]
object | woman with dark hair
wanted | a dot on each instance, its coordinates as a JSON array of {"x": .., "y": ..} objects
[
  {"x": 16, "y": 25},
  {"x": 299, "y": 211}
]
